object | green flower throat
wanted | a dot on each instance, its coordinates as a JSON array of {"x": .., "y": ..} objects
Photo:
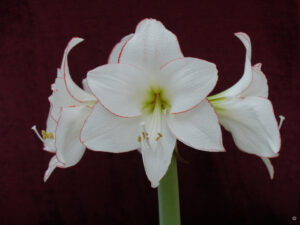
[{"x": 155, "y": 100}]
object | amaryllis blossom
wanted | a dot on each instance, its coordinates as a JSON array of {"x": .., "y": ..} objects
[
  {"x": 149, "y": 95},
  {"x": 70, "y": 106},
  {"x": 245, "y": 111}
]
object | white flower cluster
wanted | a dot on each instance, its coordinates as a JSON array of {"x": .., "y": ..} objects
[{"x": 149, "y": 95}]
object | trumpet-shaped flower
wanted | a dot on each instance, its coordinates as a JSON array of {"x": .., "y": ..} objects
[
  {"x": 149, "y": 95},
  {"x": 70, "y": 106},
  {"x": 245, "y": 111}
]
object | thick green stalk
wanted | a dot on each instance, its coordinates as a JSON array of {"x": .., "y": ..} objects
[{"x": 168, "y": 196}]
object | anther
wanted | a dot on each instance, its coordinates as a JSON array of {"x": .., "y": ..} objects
[
  {"x": 37, "y": 133},
  {"x": 159, "y": 136},
  {"x": 48, "y": 135},
  {"x": 139, "y": 138}
]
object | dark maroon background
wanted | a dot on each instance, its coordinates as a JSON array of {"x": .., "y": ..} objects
[{"x": 107, "y": 189}]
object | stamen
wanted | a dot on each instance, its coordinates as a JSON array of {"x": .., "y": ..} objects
[
  {"x": 44, "y": 136},
  {"x": 282, "y": 118},
  {"x": 37, "y": 133},
  {"x": 159, "y": 136},
  {"x": 48, "y": 135},
  {"x": 139, "y": 139}
]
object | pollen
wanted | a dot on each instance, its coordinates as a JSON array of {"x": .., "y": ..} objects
[
  {"x": 145, "y": 135},
  {"x": 46, "y": 135},
  {"x": 159, "y": 136}
]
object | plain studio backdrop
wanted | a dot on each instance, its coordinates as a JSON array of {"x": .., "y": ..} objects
[{"x": 112, "y": 189}]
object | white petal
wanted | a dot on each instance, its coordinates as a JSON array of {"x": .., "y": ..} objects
[
  {"x": 52, "y": 165},
  {"x": 49, "y": 144},
  {"x": 119, "y": 88},
  {"x": 74, "y": 91},
  {"x": 151, "y": 46},
  {"x": 187, "y": 81},
  {"x": 60, "y": 98},
  {"x": 51, "y": 123},
  {"x": 86, "y": 87},
  {"x": 246, "y": 79},
  {"x": 69, "y": 148},
  {"x": 106, "y": 132},
  {"x": 157, "y": 161},
  {"x": 259, "y": 84},
  {"x": 269, "y": 166},
  {"x": 115, "y": 53},
  {"x": 59, "y": 73},
  {"x": 252, "y": 124},
  {"x": 198, "y": 128}
]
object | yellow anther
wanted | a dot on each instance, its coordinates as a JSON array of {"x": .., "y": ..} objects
[
  {"x": 139, "y": 138},
  {"x": 159, "y": 135},
  {"x": 48, "y": 135},
  {"x": 144, "y": 134}
]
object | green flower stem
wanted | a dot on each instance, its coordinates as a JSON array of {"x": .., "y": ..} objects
[{"x": 168, "y": 196}]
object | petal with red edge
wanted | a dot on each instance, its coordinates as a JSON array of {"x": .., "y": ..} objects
[
  {"x": 86, "y": 87},
  {"x": 67, "y": 137},
  {"x": 52, "y": 165},
  {"x": 198, "y": 128},
  {"x": 259, "y": 84},
  {"x": 60, "y": 97},
  {"x": 187, "y": 81},
  {"x": 115, "y": 53},
  {"x": 106, "y": 132},
  {"x": 157, "y": 160},
  {"x": 49, "y": 144},
  {"x": 119, "y": 87},
  {"x": 252, "y": 123},
  {"x": 76, "y": 92},
  {"x": 151, "y": 46},
  {"x": 246, "y": 79}
]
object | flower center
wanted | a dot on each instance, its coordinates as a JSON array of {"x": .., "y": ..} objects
[
  {"x": 155, "y": 99},
  {"x": 154, "y": 107}
]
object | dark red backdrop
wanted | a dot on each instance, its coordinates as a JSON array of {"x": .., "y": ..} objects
[{"x": 220, "y": 188}]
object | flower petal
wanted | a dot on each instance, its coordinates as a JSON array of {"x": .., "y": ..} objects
[
  {"x": 60, "y": 98},
  {"x": 259, "y": 84},
  {"x": 198, "y": 128},
  {"x": 106, "y": 132},
  {"x": 69, "y": 149},
  {"x": 86, "y": 87},
  {"x": 151, "y": 46},
  {"x": 115, "y": 53},
  {"x": 119, "y": 88},
  {"x": 187, "y": 81},
  {"x": 74, "y": 91},
  {"x": 49, "y": 144},
  {"x": 246, "y": 79},
  {"x": 52, "y": 165},
  {"x": 157, "y": 161},
  {"x": 252, "y": 123},
  {"x": 269, "y": 166}
]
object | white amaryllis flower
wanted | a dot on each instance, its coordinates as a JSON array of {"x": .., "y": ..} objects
[
  {"x": 152, "y": 95},
  {"x": 70, "y": 106},
  {"x": 245, "y": 111}
]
